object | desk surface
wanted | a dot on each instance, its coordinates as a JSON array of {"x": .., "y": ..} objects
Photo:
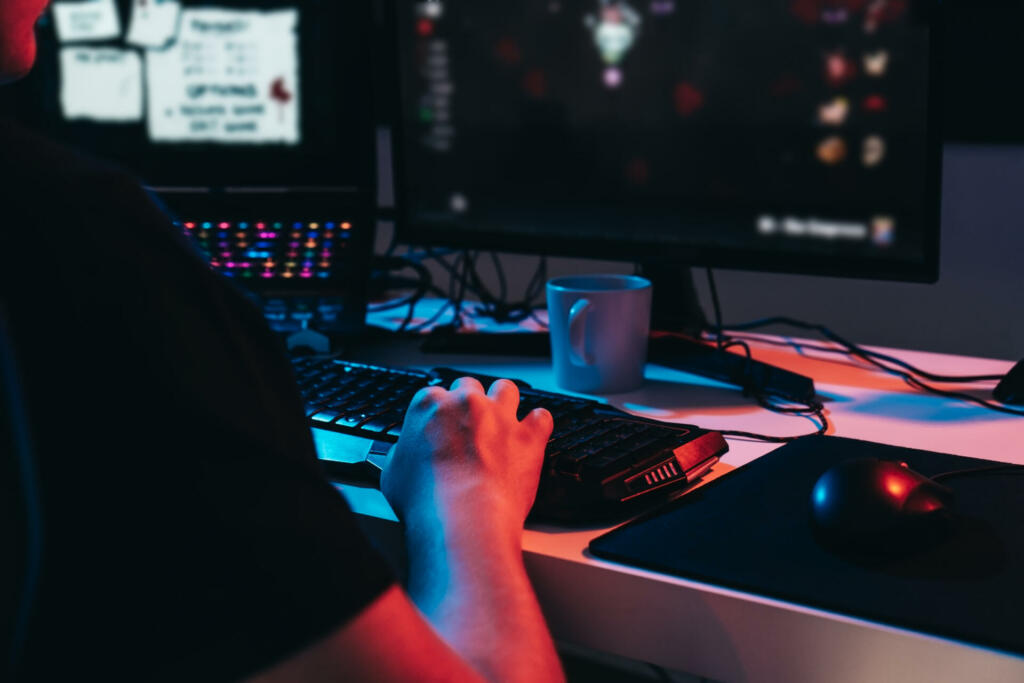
[{"x": 729, "y": 635}]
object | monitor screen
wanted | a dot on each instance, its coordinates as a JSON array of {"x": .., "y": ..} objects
[
  {"x": 249, "y": 119},
  {"x": 192, "y": 94},
  {"x": 791, "y": 135}
]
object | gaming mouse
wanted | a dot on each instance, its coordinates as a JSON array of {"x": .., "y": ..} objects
[{"x": 868, "y": 506}]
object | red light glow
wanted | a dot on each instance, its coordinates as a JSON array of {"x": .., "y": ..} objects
[
  {"x": 535, "y": 83},
  {"x": 875, "y": 104},
  {"x": 687, "y": 98},
  {"x": 895, "y": 486}
]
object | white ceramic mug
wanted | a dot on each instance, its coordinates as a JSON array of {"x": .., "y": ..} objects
[{"x": 599, "y": 326}]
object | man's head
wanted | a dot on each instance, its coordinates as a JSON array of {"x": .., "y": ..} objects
[{"x": 17, "y": 36}]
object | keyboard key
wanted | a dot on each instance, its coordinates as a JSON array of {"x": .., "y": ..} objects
[
  {"x": 380, "y": 423},
  {"x": 326, "y": 415}
]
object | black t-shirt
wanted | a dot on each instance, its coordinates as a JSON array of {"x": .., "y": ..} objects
[{"x": 187, "y": 532}]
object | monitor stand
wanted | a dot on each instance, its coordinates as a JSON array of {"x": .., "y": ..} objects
[
  {"x": 675, "y": 307},
  {"x": 678, "y": 321}
]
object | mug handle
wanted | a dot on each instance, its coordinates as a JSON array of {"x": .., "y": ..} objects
[{"x": 578, "y": 334}]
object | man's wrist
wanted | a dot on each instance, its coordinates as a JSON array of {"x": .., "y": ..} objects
[
  {"x": 466, "y": 514},
  {"x": 462, "y": 528}
]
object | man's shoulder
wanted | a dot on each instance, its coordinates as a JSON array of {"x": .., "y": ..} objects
[{"x": 40, "y": 171}]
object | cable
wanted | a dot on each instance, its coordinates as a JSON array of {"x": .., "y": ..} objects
[
  {"x": 467, "y": 264},
  {"x": 500, "y": 272},
  {"x": 423, "y": 284},
  {"x": 497, "y": 306},
  {"x": 873, "y": 357},
  {"x": 798, "y": 345},
  {"x": 543, "y": 324},
  {"x": 466, "y": 274},
  {"x": 814, "y": 410},
  {"x": 845, "y": 352},
  {"x": 432, "y": 319},
  {"x": 1013, "y": 469},
  {"x": 718, "y": 311},
  {"x": 879, "y": 359},
  {"x": 455, "y": 295},
  {"x": 857, "y": 350}
]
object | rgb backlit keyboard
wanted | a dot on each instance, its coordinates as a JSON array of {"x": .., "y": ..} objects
[{"x": 271, "y": 250}]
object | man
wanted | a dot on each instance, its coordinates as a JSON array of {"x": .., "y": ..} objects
[{"x": 186, "y": 533}]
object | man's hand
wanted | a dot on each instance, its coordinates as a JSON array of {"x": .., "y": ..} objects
[
  {"x": 464, "y": 450},
  {"x": 463, "y": 476}
]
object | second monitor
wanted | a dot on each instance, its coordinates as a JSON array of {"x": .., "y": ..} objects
[{"x": 783, "y": 135}]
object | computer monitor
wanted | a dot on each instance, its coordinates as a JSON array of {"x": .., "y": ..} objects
[
  {"x": 249, "y": 119},
  {"x": 778, "y": 135}
]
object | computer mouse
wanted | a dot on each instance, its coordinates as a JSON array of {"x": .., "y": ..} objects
[{"x": 868, "y": 506}]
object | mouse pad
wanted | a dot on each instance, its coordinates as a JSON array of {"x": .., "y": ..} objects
[{"x": 751, "y": 530}]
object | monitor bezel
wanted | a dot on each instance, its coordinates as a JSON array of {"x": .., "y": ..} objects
[{"x": 925, "y": 270}]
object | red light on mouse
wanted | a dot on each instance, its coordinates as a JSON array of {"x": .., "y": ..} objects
[
  {"x": 346, "y": 226},
  {"x": 895, "y": 486}
]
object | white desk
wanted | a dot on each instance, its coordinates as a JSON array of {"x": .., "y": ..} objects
[{"x": 729, "y": 635}]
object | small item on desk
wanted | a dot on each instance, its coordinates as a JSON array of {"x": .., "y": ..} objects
[
  {"x": 1011, "y": 388},
  {"x": 705, "y": 360},
  {"x": 599, "y": 326}
]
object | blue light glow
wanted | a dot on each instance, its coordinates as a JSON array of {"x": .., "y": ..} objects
[{"x": 820, "y": 495}]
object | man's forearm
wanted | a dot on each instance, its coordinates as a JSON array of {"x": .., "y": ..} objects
[{"x": 468, "y": 579}]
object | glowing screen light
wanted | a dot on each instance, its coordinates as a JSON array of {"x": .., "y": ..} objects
[{"x": 230, "y": 76}]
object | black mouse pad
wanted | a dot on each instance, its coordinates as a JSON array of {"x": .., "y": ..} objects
[{"x": 751, "y": 530}]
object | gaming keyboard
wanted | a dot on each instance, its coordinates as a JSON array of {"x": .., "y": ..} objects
[{"x": 601, "y": 464}]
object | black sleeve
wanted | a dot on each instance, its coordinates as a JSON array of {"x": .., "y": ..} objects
[{"x": 188, "y": 532}]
